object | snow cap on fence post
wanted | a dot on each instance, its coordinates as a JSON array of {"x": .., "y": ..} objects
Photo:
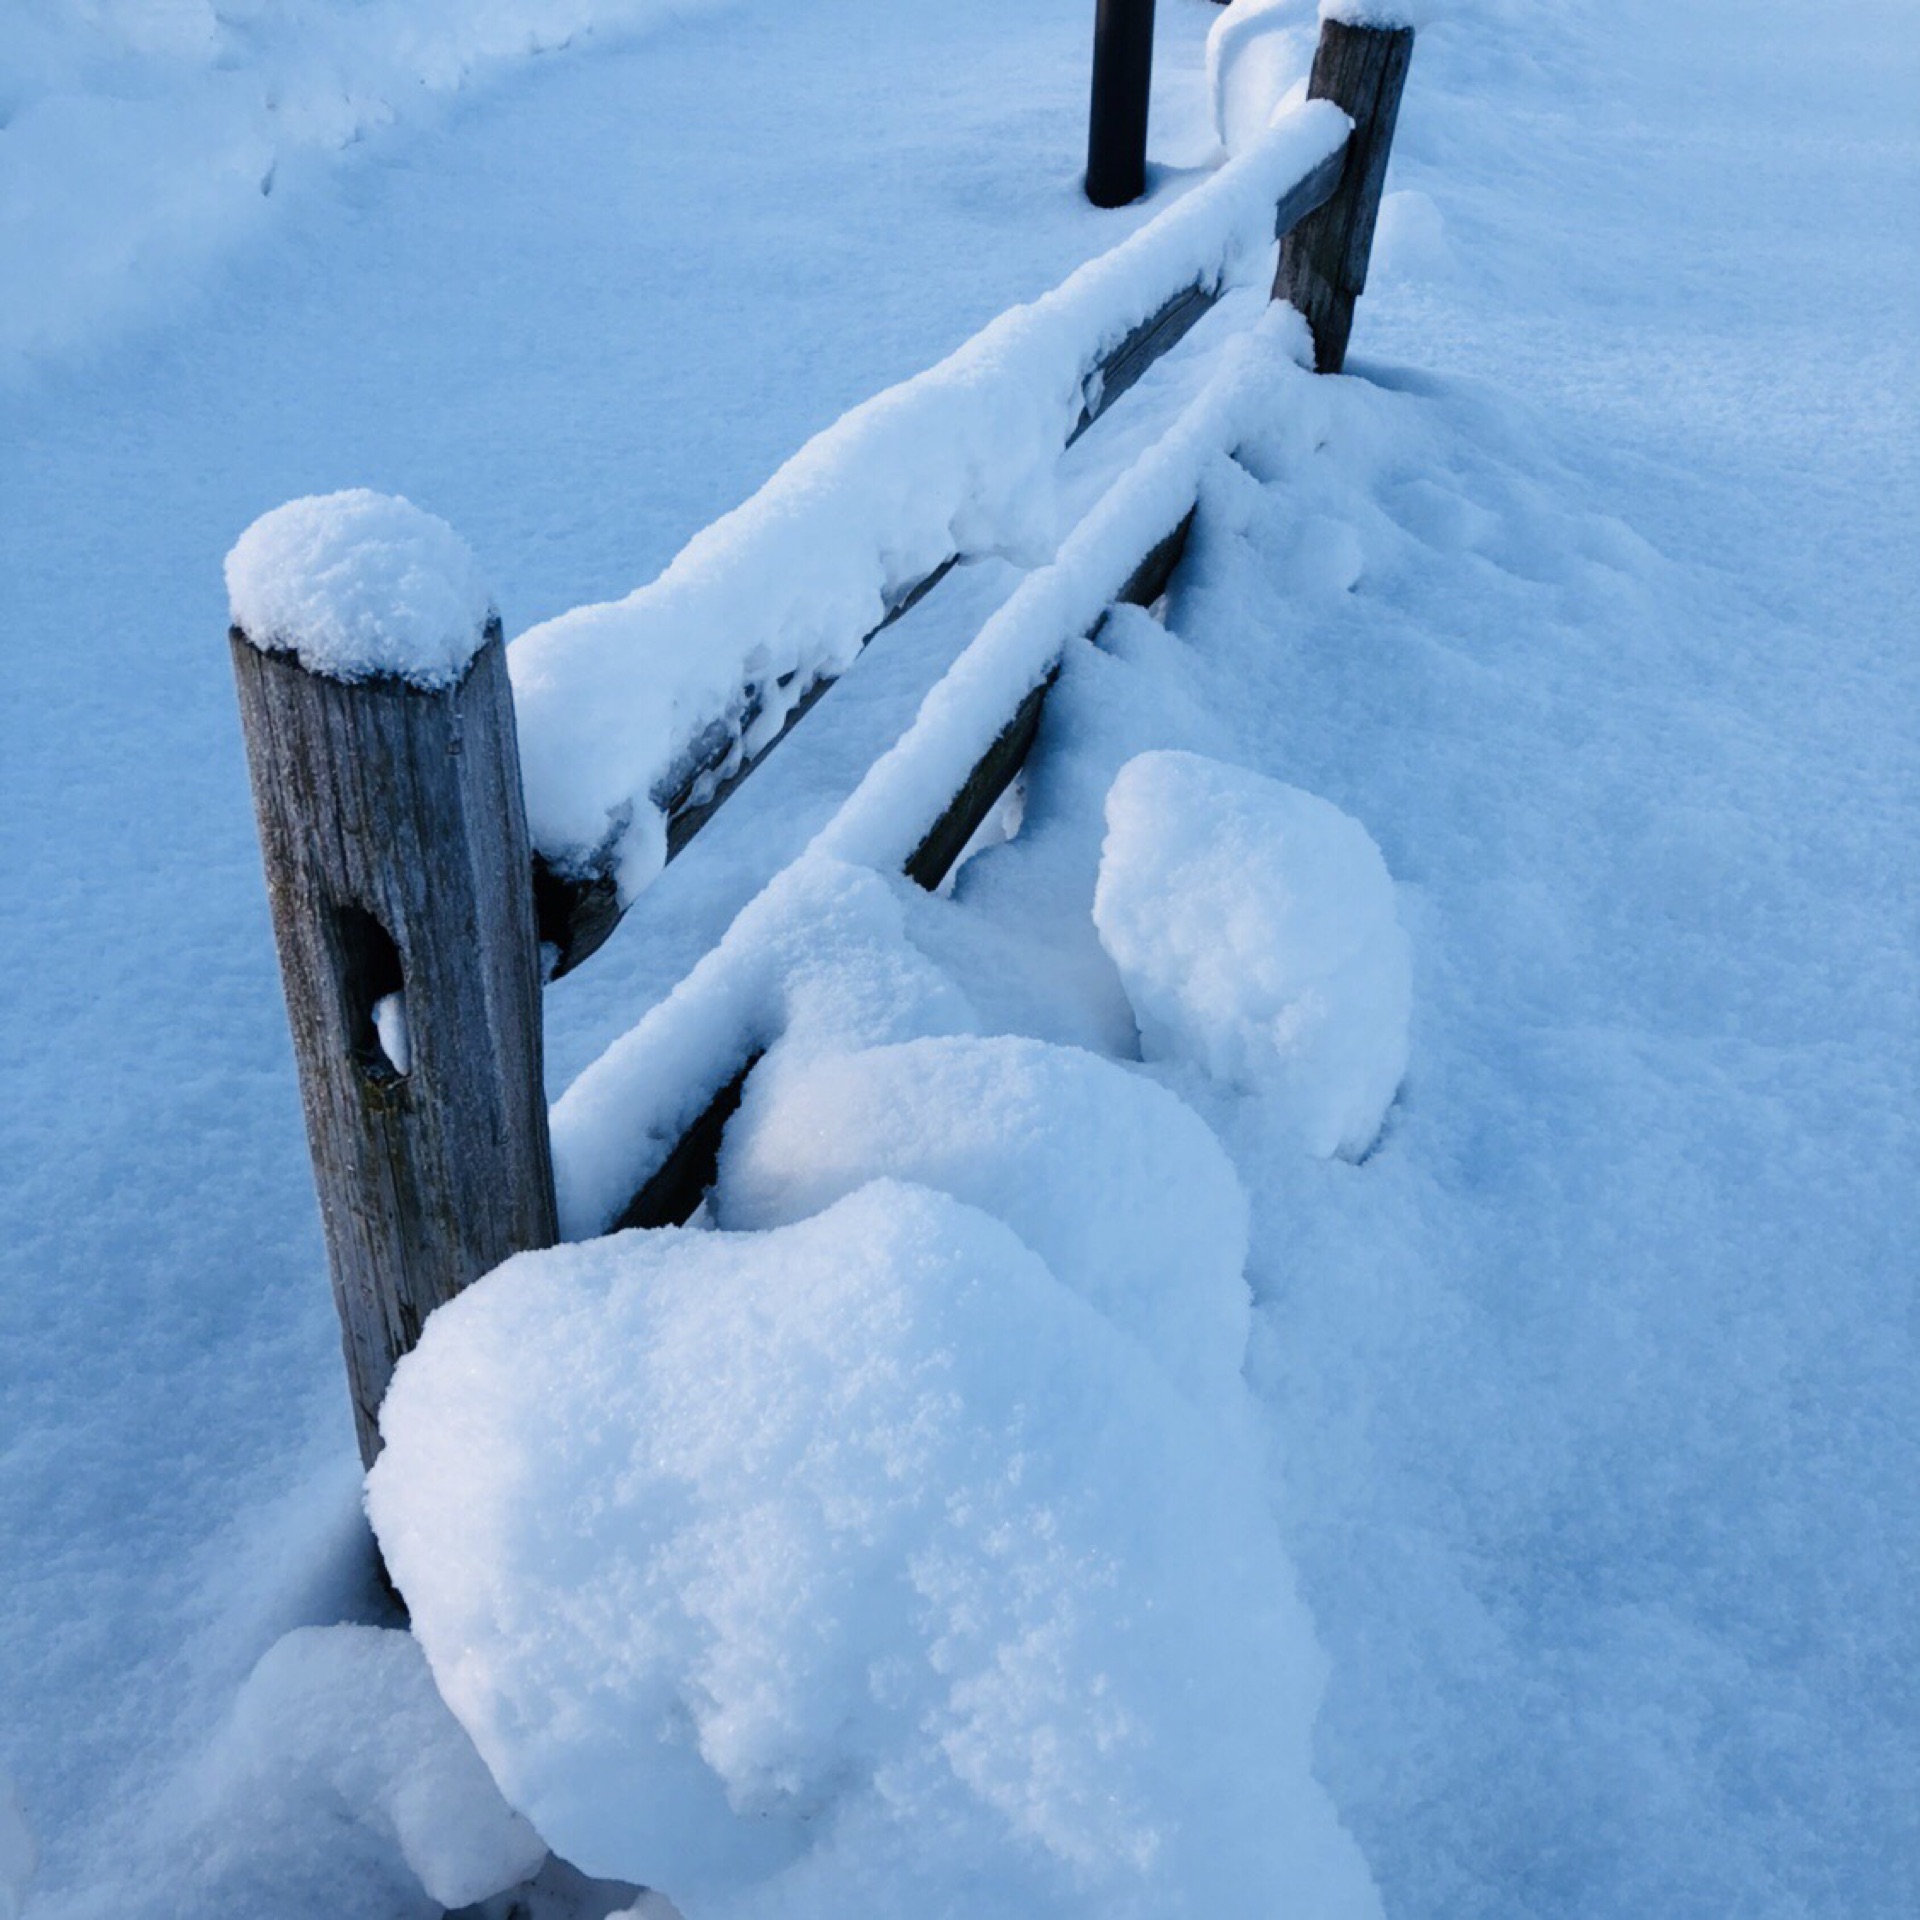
[
  {"x": 386, "y": 784},
  {"x": 360, "y": 584}
]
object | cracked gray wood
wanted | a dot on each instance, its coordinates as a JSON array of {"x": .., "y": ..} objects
[{"x": 394, "y": 836}]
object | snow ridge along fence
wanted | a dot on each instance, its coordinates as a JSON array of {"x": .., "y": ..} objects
[{"x": 418, "y": 900}]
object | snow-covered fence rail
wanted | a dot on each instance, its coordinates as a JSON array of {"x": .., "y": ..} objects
[
  {"x": 1117, "y": 114},
  {"x": 636, "y": 1137},
  {"x": 388, "y": 784},
  {"x": 638, "y": 717}
]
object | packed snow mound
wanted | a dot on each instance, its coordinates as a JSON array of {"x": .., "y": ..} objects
[
  {"x": 856, "y": 1567},
  {"x": 338, "y": 1759},
  {"x": 1118, "y": 1185},
  {"x": 360, "y": 584},
  {"x": 1255, "y": 931}
]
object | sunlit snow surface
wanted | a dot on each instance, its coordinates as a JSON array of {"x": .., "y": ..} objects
[{"x": 1591, "y": 598}]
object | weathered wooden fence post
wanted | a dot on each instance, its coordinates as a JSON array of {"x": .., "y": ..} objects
[
  {"x": 386, "y": 784},
  {"x": 1323, "y": 260},
  {"x": 1122, "y": 84}
]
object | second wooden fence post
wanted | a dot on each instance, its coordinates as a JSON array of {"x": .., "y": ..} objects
[
  {"x": 1323, "y": 260},
  {"x": 386, "y": 782}
]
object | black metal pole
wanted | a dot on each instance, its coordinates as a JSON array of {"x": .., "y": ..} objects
[{"x": 1122, "y": 78}]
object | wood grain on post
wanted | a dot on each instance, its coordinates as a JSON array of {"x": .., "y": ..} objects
[
  {"x": 1323, "y": 260},
  {"x": 395, "y": 841}
]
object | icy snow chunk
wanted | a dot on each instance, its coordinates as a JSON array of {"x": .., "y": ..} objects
[
  {"x": 339, "y": 1728},
  {"x": 360, "y": 584},
  {"x": 1114, "y": 1181},
  {"x": 855, "y": 1567},
  {"x": 1255, "y": 932},
  {"x": 18, "y": 1854},
  {"x": 390, "y": 1026}
]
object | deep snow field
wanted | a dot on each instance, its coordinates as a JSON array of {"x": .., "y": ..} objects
[{"x": 1533, "y": 1531}]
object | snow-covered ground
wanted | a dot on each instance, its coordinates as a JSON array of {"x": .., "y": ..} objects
[
  {"x": 1590, "y": 1391},
  {"x": 146, "y": 138}
]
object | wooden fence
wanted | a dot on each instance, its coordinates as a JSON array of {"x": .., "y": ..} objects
[{"x": 397, "y": 857}]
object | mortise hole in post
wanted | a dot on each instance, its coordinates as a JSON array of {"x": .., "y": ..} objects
[{"x": 373, "y": 989}]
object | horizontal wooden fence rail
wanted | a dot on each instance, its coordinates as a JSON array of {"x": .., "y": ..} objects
[
  {"x": 388, "y": 797},
  {"x": 1164, "y": 330},
  {"x": 579, "y": 907},
  {"x": 670, "y": 1196}
]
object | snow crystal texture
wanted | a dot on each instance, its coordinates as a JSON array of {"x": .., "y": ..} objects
[
  {"x": 1255, "y": 930},
  {"x": 855, "y": 1567},
  {"x": 360, "y": 585},
  {"x": 338, "y": 1763},
  {"x": 1118, "y": 1185}
]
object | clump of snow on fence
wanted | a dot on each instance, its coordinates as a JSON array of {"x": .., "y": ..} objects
[
  {"x": 613, "y": 700},
  {"x": 1115, "y": 1182},
  {"x": 905, "y": 791},
  {"x": 338, "y": 1761},
  {"x": 1259, "y": 52},
  {"x": 1255, "y": 930},
  {"x": 828, "y": 1570},
  {"x": 820, "y": 957},
  {"x": 360, "y": 585},
  {"x": 614, "y": 1127}
]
